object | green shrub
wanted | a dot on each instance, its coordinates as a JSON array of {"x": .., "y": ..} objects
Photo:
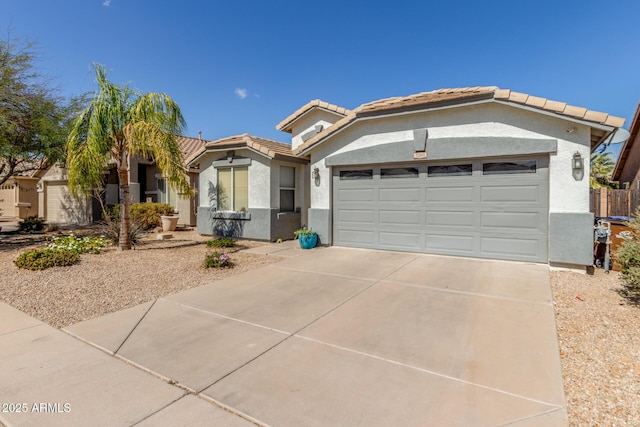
[
  {"x": 628, "y": 256},
  {"x": 111, "y": 212},
  {"x": 32, "y": 223},
  {"x": 147, "y": 215},
  {"x": 217, "y": 260},
  {"x": 40, "y": 259},
  {"x": 92, "y": 245},
  {"x": 222, "y": 242}
]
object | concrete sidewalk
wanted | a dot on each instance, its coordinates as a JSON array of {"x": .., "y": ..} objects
[
  {"x": 333, "y": 336},
  {"x": 48, "y": 378}
]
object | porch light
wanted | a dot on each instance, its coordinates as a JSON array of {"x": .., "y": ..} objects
[
  {"x": 316, "y": 176},
  {"x": 577, "y": 162}
]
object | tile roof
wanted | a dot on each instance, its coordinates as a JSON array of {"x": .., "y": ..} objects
[
  {"x": 628, "y": 145},
  {"x": 189, "y": 145},
  {"x": 265, "y": 146},
  {"x": 285, "y": 125},
  {"x": 444, "y": 97}
]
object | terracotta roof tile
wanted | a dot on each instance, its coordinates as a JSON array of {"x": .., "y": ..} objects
[
  {"x": 444, "y": 97},
  {"x": 189, "y": 145},
  {"x": 265, "y": 146},
  {"x": 316, "y": 103}
]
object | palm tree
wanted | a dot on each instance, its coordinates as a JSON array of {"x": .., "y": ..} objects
[
  {"x": 120, "y": 122},
  {"x": 601, "y": 169}
]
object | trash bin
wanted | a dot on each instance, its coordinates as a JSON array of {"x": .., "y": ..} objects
[{"x": 619, "y": 231}]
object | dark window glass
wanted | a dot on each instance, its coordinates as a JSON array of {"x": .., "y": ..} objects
[
  {"x": 356, "y": 174},
  {"x": 501, "y": 168},
  {"x": 399, "y": 173},
  {"x": 287, "y": 200},
  {"x": 450, "y": 170}
]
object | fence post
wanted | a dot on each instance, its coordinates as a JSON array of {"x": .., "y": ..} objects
[{"x": 604, "y": 202}]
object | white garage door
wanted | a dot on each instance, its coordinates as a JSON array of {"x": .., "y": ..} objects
[
  {"x": 62, "y": 207},
  {"x": 494, "y": 208}
]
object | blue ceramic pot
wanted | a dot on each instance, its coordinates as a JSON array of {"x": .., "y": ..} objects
[{"x": 308, "y": 241}]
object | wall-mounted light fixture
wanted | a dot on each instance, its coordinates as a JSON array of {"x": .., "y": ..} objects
[
  {"x": 577, "y": 162},
  {"x": 316, "y": 176}
]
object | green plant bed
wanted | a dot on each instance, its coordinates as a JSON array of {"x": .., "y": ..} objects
[
  {"x": 79, "y": 245},
  {"x": 40, "y": 259},
  {"x": 222, "y": 242},
  {"x": 217, "y": 260}
]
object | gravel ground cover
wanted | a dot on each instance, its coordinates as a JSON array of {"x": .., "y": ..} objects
[
  {"x": 112, "y": 281},
  {"x": 599, "y": 337},
  {"x": 598, "y": 332}
]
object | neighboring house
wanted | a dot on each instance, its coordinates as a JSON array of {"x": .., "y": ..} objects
[
  {"x": 627, "y": 170},
  {"x": 18, "y": 195},
  {"x": 480, "y": 172},
  {"x": 250, "y": 187},
  {"x": 146, "y": 185}
]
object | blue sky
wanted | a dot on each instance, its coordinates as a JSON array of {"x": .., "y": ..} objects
[{"x": 243, "y": 66}]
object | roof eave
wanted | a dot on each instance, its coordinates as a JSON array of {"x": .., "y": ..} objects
[{"x": 628, "y": 145}]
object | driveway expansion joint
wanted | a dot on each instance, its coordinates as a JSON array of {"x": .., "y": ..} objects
[{"x": 136, "y": 325}]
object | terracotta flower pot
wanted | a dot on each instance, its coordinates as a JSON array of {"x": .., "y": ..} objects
[{"x": 169, "y": 222}]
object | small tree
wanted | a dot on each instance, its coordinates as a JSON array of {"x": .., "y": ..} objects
[
  {"x": 118, "y": 123},
  {"x": 628, "y": 256},
  {"x": 34, "y": 119}
]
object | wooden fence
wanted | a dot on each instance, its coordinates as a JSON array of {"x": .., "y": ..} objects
[{"x": 605, "y": 202}]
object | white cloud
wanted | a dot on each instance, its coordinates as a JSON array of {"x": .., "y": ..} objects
[
  {"x": 240, "y": 93},
  {"x": 106, "y": 3},
  {"x": 257, "y": 95}
]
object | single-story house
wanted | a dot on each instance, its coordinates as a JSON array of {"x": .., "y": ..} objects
[
  {"x": 146, "y": 184},
  {"x": 250, "y": 187},
  {"x": 479, "y": 172},
  {"x": 627, "y": 169},
  {"x": 18, "y": 195}
]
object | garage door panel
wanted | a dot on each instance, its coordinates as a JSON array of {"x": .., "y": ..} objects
[
  {"x": 510, "y": 194},
  {"x": 356, "y": 237},
  {"x": 450, "y": 194},
  {"x": 399, "y": 195},
  {"x": 512, "y": 220},
  {"x": 449, "y": 243},
  {"x": 399, "y": 217},
  {"x": 356, "y": 195},
  {"x": 365, "y": 216},
  {"x": 398, "y": 239},
  {"x": 508, "y": 247},
  {"x": 450, "y": 218}
]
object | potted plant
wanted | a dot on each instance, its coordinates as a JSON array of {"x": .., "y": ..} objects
[
  {"x": 308, "y": 238},
  {"x": 169, "y": 222}
]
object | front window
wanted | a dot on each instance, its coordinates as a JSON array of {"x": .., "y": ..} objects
[
  {"x": 233, "y": 189},
  {"x": 287, "y": 189}
]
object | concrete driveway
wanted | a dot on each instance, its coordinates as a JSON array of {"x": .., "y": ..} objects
[{"x": 351, "y": 337}]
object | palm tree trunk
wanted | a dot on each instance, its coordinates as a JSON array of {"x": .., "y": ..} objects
[{"x": 124, "y": 240}]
